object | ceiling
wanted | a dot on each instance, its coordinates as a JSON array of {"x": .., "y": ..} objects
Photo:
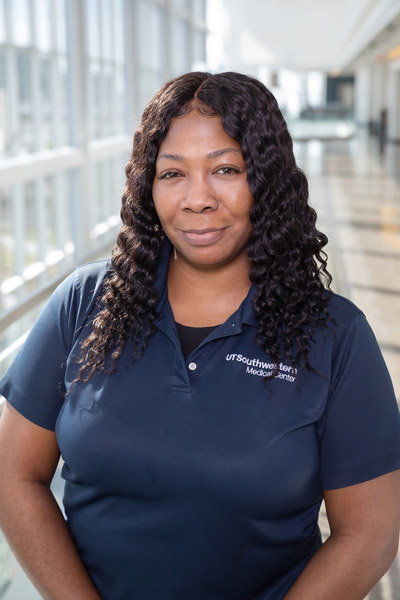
[{"x": 298, "y": 34}]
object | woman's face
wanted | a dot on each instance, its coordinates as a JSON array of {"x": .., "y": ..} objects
[{"x": 201, "y": 193}]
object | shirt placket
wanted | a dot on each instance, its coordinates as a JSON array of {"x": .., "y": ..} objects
[{"x": 186, "y": 372}]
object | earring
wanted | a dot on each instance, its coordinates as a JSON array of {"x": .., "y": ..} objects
[{"x": 175, "y": 255}]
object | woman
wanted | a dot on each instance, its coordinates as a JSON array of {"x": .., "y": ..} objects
[{"x": 213, "y": 391}]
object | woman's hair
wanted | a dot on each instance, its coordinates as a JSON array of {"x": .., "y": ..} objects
[{"x": 288, "y": 265}]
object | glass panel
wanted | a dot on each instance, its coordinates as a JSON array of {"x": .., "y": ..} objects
[
  {"x": 107, "y": 29},
  {"x": 53, "y": 253},
  {"x": 45, "y": 80},
  {"x": 59, "y": 238},
  {"x": 24, "y": 77},
  {"x": 107, "y": 78},
  {"x": 35, "y": 245},
  {"x": 93, "y": 27},
  {"x": 119, "y": 31},
  {"x": 2, "y": 23},
  {"x": 120, "y": 100},
  {"x": 180, "y": 3},
  {"x": 102, "y": 192},
  {"x": 94, "y": 199},
  {"x": 119, "y": 179},
  {"x": 24, "y": 137},
  {"x": 3, "y": 133},
  {"x": 42, "y": 22},
  {"x": 31, "y": 246},
  {"x": 7, "y": 239},
  {"x": 18, "y": 229},
  {"x": 51, "y": 229},
  {"x": 179, "y": 48},
  {"x": 199, "y": 50},
  {"x": 69, "y": 187},
  {"x": 3, "y": 121},
  {"x": 2, "y": 68},
  {"x": 109, "y": 107},
  {"x": 148, "y": 84},
  {"x": 20, "y": 22},
  {"x": 105, "y": 199},
  {"x": 95, "y": 99},
  {"x": 199, "y": 9},
  {"x": 35, "y": 235},
  {"x": 61, "y": 25},
  {"x": 104, "y": 172},
  {"x": 63, "y": 125},
  {"x": 150, "y": 35},
  {"x": 46, "y": 97}
]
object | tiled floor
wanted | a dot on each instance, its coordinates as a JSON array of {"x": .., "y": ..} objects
[
  {"x": 358, "y": 203},
  {"x": 357, "y": 198}
]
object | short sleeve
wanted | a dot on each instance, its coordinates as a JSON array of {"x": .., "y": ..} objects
[
  {"x": 360, "y": 428},
  {"x": 33, "y": 384}
]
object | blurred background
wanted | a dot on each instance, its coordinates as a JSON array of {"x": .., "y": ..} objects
[{"x": 74, "y": 78}]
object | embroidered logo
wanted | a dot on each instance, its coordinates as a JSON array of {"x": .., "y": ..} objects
[{"x": 260, "y": 368}]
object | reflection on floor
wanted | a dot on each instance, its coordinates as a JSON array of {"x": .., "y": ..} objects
[
  {"x": 358, "y": 203},
  {"x": 357, "y": 197}
]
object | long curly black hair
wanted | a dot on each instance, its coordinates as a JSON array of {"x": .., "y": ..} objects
[{"x": 288, "y": 265}]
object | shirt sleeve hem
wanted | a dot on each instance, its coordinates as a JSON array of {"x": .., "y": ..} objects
[
  {"x": 14, "y": 396},
  {"x": 331, "y": 480}
]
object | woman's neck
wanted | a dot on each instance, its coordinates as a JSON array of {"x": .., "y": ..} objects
[{"x": 205, "y": 297}]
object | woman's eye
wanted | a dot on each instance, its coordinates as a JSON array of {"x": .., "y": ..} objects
[
  {"x": 227, "y": 170},
  {"x": 169, "y": 175}
]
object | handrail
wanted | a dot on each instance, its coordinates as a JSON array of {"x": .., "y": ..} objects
[{"x": 16, "y": 312}]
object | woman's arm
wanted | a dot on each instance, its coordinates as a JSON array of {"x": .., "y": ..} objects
[
  {"x": 29, "y": 514},
  {"x": 364, "y": 521}
]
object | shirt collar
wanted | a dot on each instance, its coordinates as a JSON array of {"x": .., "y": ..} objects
[{"x": 247, "y": 313}]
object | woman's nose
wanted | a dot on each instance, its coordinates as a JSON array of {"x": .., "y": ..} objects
[{"x": 199, "y": 195}]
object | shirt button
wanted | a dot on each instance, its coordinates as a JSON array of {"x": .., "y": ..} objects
[{"x": 192, "y": 366}]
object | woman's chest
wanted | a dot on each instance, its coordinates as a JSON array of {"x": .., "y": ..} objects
[{"x": 163, "y": 428}]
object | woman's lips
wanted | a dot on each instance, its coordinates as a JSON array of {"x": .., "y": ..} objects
[{"x": 203, "y": 237}]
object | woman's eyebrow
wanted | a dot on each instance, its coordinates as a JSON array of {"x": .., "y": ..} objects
[
  {"x": 170, "y": 156},
  {"x": 213, "y": 154},
  {"x": 222, "y": 151}
]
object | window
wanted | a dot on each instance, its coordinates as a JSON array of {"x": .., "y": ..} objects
[
  {"x": 106, "y": 64},
  {"x": 199, "y": 9},
  {"x": 21, "y": 34},
  {"x": 107, "y": 181},
  {"x": 71, "y": 76},
  {"x": 33, "y": 77},
  {"x": 180, "y": 3},
  {"x": 2, "y": 23},
  {"x": 36, "y": 241},
  {"x": 198, "y": 51},
  {"x": 150, "y": 49},
  {"x": 179, "y": 46}
]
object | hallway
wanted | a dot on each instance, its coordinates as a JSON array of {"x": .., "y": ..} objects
[{"x": 357, "y": 198}]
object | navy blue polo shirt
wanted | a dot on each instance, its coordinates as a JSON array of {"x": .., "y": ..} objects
[{"x": 188, "y": 479}]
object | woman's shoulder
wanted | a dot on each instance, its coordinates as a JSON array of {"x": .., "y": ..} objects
[
  {"x": 92, "y": 272},
  {"x": 350, "y": 328},
  {"x": 341, "y": 309},
  {"x": 86, "y": 278},
  {"x": 74, "y": 299}
]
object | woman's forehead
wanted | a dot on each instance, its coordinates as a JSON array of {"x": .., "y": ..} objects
[{"x": 196, "y": 131}]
